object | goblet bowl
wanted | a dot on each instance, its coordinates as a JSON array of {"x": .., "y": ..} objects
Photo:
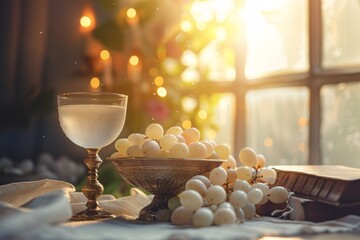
[{"x": 162, "y": 177}]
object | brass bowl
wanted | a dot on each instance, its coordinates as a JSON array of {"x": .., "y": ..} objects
[{"x": 162, "y": 177}]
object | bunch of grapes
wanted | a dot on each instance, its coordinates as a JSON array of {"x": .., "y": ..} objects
[
  {"x": 172, "y": 143},
  {"x": 228, "y": 194}
]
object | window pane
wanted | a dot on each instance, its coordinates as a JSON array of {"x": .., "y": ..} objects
[
  {"x": 277, "y": 124},
  {"x": 276, "y": 36},
  {"x": 225, "y": 118},
  {"x": 340, "y": 128},
  {"x": 341, "y": 35}
]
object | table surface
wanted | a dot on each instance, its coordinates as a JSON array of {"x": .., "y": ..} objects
[{"x": 160, "y": 226}]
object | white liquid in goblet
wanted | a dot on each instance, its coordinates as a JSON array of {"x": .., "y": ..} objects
[{"x": 92, "y": 125}]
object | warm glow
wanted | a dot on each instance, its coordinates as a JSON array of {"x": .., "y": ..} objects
[
  {"x": 104, "y": 55},
  {"x": 131, "y": 13},
  {"x": 188, "y": 104},
  {"x": 201, "y": 11},
  {"x": 85, "y": 21},
  {"x": 302, "y": 122},
  {"x": 221, "y": 34},
  {"x": 186, "y": 26},
  {"x": 186, "y": 124},
  {"x": 190, "y": 75},
  {"x": 202, "y": 114},
  {"x": 159, "y": 81},
  {"x": 161, "y": 91},
  {"x": 189, "y": 58},
  {"x": 134, "y": 60},
  {"x": 268, "y": 142},
  {"x": 95, "y": 82}
]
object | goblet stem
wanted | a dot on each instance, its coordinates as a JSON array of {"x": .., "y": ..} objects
[{"x": 92, "y": 189}]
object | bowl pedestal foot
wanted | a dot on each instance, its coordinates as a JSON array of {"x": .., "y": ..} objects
[{"x": 148, "y": 213}]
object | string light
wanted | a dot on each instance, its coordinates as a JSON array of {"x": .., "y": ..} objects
[
  {"x": 131, "y": 13},
  {"x": 85, "y": 21},
  {"x": 162, "y": 92},
  {"x": 95, "y": 82},
  {"x": 159, "y": 81},
  {"x": 134, "y": 60},
  {"x": 104, "y": 55}
]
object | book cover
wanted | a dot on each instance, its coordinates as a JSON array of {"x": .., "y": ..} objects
[{"x": 330, "y": 184}]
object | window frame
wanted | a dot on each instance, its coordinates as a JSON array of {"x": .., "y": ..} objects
[{"x": 313, "y": 79}]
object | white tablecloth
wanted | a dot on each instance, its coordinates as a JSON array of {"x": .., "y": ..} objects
[{"x": 41, "y": 209}]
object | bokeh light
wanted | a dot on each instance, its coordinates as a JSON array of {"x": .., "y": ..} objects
[
  {"x": 104, "y": 54},
  {"x": 95, "y": 83}
]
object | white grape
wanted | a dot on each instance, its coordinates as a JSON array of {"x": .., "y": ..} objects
[
  {"x": 203, "y": 217},
  {"x": 163, "y": 154},
  {"x": 134, "y": 151},
  {"x": 167, "y": 141},
  {"x": 191, "y": 199},
  {"x": 255, "y": 195},
  {"x": 218, "y": 176},
  {"x": 136, "y": 139},
  {"x": 263, "y": 187},
  {"x": 181, "y": 216},
  {"x": 154, "y": 131},
  {"x": 278, "y": 194},
  {"x": 180, "y": 138},
  {"x": 197, "y": 185},
  {"x": 248, "y": 157},
  {"x": 226, "y": 204},
  {"x": 215, "y": 195},
  {"x": 241, "y": 185},
  {"x": 197, "y": 150},
  {"x": 238, "y": 198},
  {"x": 175, "y": 130},
  {"x": 244, "y": 173},
  {"x": 122, "y": 145},
  {"x": 224, "y": 216},
  {"x": 231, "y": 175},
  {"x": 209, "y": 148},
  {"x": 212, "y": 142},
  {"x": 223, "y": 151},
  {"x": 240, "y": 215},
  {"x": 249, "y": 210},
  {"x": 150, "y": 148},
  {"x": 191, "y": 135},
  {"x": 204, "y": 179},
  {"x": 260, "y": 161},
  {"x": 117, "y": 155},
  {"x": 213, "y": 156},
  {"x": 179, "y": 150},
  {"x": 267, "y": 175},
  {"x": 230, "y": 163}
]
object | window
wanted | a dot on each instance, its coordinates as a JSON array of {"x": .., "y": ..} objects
[{"x": 296, "y": 92}]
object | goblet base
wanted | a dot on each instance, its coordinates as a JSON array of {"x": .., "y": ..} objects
[
  {"x": 149, "y": 212},
  {"x": 91, "y": 214}
]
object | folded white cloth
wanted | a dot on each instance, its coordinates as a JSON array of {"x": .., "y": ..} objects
[{"x": 41, "y": 209}]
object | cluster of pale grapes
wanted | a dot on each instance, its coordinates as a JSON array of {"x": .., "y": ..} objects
[
  {"x": 228, "y": 194},
  {"x": 175, "y": 142}
]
